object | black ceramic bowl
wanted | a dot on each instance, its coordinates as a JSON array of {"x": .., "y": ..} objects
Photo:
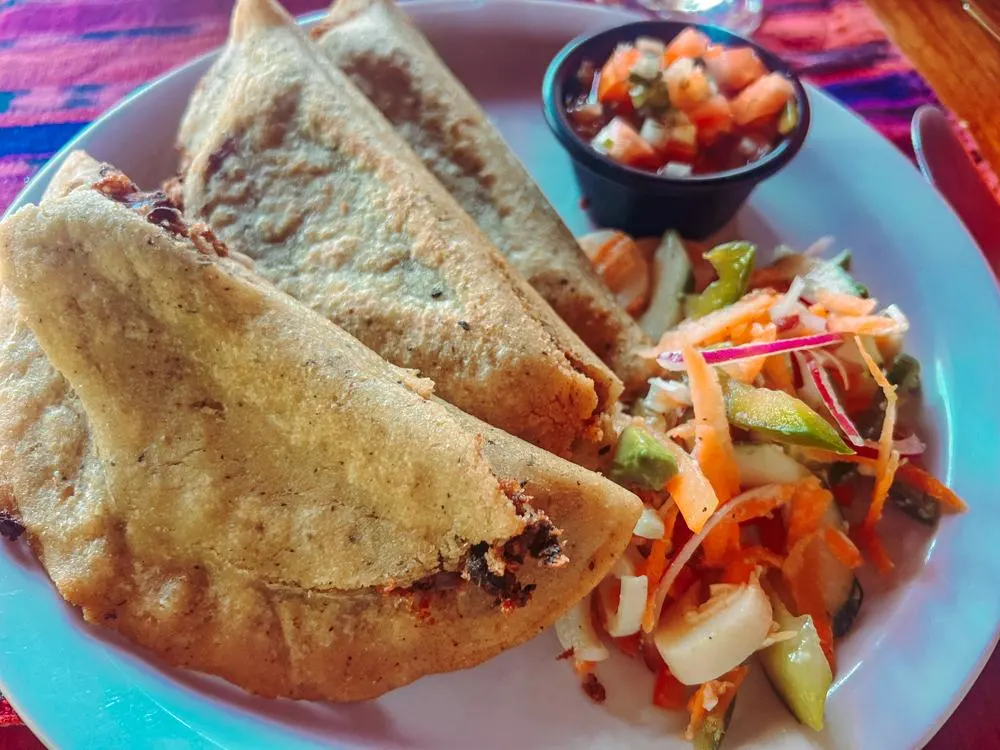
[{"x": 645, "y": 203}]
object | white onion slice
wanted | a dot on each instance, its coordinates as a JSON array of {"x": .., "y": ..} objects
[
  {"x": 624, "y": 616},
  {"x": 703, "y": 644},
  {"x": 576, "y": 631},
  {"x": 819, "y": 247},
  {"x": 786, "y": 305},
  {"x": 650, "y": 525}
]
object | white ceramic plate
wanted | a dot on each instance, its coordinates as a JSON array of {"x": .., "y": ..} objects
[{"x": 924, "y": 632}]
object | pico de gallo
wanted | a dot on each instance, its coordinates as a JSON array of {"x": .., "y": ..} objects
[
  {"x": 685, "y": 107},
  {"x": 779, "y": 431}
]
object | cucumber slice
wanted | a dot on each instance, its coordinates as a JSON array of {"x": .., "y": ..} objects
[
  {"x": 766, "y": 463},
  {"x": 672, "y": 277},
  {"x": 797, "y": 668},
  {"x": 842, "y": 593},
  {"x": 713, "y": 730},
  {"x": 915, "y": 503},
  {"x": 827, "y": 275}
]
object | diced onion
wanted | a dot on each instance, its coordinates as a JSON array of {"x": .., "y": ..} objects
[
  {"x": 703, "y": 644},
  {"x": 654, "y": 133},
  {"x": 624, "y": 616},
  {"x": 649, "y": 525},
  {"x": 674, "y": 360},
  {"x": 575, "y": 630},
  {"x": 677, "y": 169}
]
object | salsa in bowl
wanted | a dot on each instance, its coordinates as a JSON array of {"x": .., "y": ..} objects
[{"x": 672, "y": 125}]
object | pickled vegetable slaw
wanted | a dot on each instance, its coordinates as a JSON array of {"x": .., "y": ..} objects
[{"x": 784, "y": 407}]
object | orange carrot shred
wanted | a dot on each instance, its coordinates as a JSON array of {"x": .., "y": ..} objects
[
  {"x": 739, "y": 570},
  {"x": 808, "y": 506},
  {"x": 718, "y": 693},
  {"x": 845, "y": 304},
  {"x": 690, "y": 489},
  {"x": 921, "y": 480},
  {"x": 656, "y": 563},
  {"x": 691, "y": 332},
  {"x": 721, "y": 544},
  {"x": 714, "y": 445},
  {"x": 888, "y": 458},
  {"x": 803, "y": 577},
  {"x": 869, "y": 540},
  {"x": 778, "y": 370},
  {"x": 842, "y": 548}
]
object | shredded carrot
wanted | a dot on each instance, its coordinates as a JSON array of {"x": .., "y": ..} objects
[
  {"x": 762, "y": 501},
  {"x": 740, "y": 569},
  {"x": 690, "y": 489},
  {"x": 656, "y": 563},
  {"x": 842, "y": 547},
  {"x": 740, "y": 334},
  {"x": 721, "y": 544},
  {"x": 715, "y": 697},
  {"x": 714, "y": 445},
  {"x": 864, "y": 325},
  {"x": 840, "y": 303},
  {"x": 818, "y": 310},
  {"x": 869, "y": 540},
  {"x": 888, "y": 458},
  {"x": 691, "y": 332},
  {"x": 808, "y": 507},
  {"x": 777, "y": 370},
  {"x": 748, "y": 370},
  {"x": 921, "y": 480},
  {"x": 804, "y": 579},
  {"x": 669, "y": 692}
]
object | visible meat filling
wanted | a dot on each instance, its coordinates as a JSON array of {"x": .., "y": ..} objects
[
  {"x": 494, "y": 569},
  {"x": 157, "y": 208}
]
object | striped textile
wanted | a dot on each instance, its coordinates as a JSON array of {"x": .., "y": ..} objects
[{"x": 64, "y": 62}]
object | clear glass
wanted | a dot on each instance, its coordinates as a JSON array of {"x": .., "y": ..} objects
[{"x": 741, "y": 16}]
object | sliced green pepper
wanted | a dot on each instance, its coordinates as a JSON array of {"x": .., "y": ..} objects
[
  {"x": 797, "y": 667},
  {"x": 733, "y": 262},
  {"x": 781, "y": 417},
  {"x": 640, "y": 459}
]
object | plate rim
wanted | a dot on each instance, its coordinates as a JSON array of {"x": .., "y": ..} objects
[{"x": 43, "y": 176}]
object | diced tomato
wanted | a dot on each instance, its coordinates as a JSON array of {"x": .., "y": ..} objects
[
  {"x": 613, "y": 85},
  {"x": 764, "y": 98},
  {"x": 687, "y": 84},
  {"x": 734, "y": 68},
  {"x": 689, "y": 43},
  {"x": 622, "y": 142},
  {"x": 712, "y": 118}
]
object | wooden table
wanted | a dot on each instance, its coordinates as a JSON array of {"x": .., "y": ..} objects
[
  {"x": 956, "y": 56},
  {"x": 961, "y": 61}
]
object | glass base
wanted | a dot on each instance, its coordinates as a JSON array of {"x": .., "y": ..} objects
[{"x": 740, "y": 16}]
